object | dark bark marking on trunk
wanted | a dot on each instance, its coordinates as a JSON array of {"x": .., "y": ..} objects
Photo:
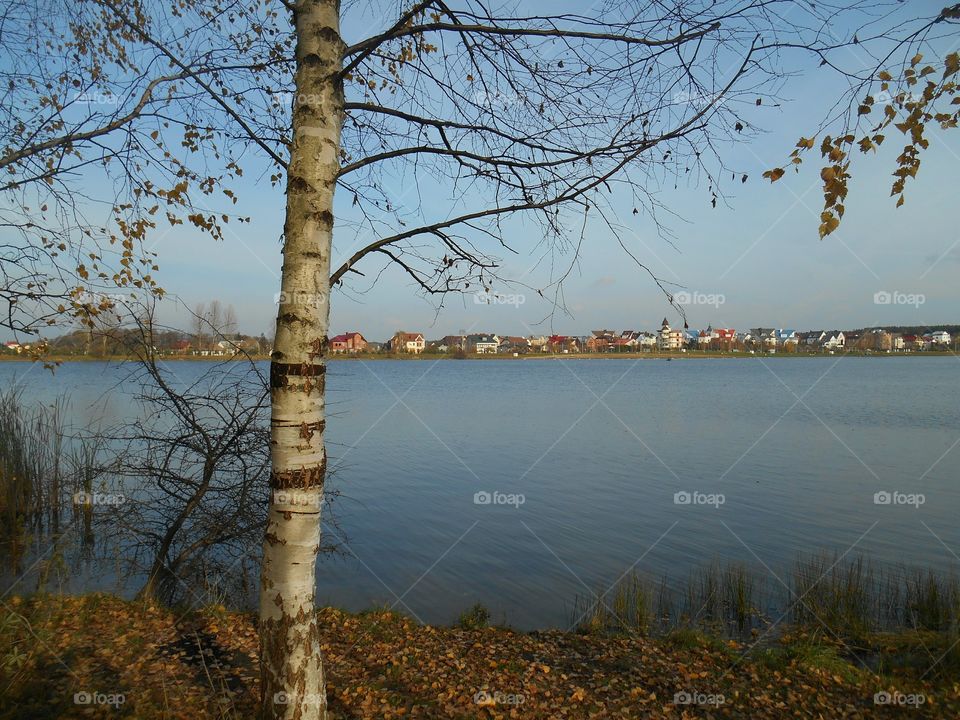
[
  {"x": 274, "y": 540},
  {"x": 299, "y": 479},
  {"x": 307, "y": 430},
  {"x": 299, "y": 186},
  {"x": 288, "y": 318},
  {"x": 319, "y": 348},
  {"x": 324, "y": 218},
  {"x": 279, "y": 372},
  {"x": 277, "y": 647}
]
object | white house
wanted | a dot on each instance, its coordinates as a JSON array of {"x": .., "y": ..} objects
[
  {"x": 833, "y": 340},
  {"x": 646, "y": 340},
  {"x": 668, "y": 338},
  {"x": 483, "y": 344},
  {"x": 814, "y": 337},
  {"x": 787, "y": 337},
  {"x": 407, "y": 342},
  {"x": 940, "y": 337}
]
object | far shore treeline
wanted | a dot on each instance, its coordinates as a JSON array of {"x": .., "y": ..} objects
[{"x": 893, "y": 339}]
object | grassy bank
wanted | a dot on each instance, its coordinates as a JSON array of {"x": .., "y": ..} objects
[{"x": 56, "y": 653}]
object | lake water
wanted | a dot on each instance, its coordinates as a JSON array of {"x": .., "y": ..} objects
[{"x": 599, "y": 449}]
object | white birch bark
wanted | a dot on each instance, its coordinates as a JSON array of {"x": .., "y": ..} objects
[{"x": 291, "y": 666}]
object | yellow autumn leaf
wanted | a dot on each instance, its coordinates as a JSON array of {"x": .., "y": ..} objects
[{"x": 829, "y": 223}]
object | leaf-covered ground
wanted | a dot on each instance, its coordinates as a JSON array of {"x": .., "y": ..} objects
[{"x": 99, "y": 656}]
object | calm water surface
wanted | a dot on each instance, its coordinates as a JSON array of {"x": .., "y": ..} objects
[{"x": 598, "y": 449}]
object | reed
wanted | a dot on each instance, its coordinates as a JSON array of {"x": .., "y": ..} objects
[
  {"x": 41, "y": 467},
  {"x": 25, "y": 492},
  {"x": 714, "y": 597},
  {"x": 931, "y": 601},
  {"x": 838, "y": 593},
  {"x": 837, "y": 596}
]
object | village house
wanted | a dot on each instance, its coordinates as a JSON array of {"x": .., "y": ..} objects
[
  {"x": 601, "y": 340},
  {"x": 629, "y": 340},
  {"x": 235, "y": 346},
  {"x": 646, "y": 341},
  {"x": 250, "y": 345},
  {"x": 450, "y": 343},
  {"x": 538, "y": 342},
  {"x": 482, "y": 344},
  {"x": 563, "y": 344},
  {"x": 668, "y": 338},
  {"x": 786, "y": 336},
  {"x": 854, "y": 340},
  {"x": 716, "y": 338},
  {"x": 813, "y": 338},
  {"x": 878, "y": 339},
  {"x": 726, "y": 337},
  {"x": 407, "y": 342},
  {"x": 514, "y": 344},
  {"x": 912, "y": 342},
  {"x": 768, "y": 338},
  {"x": 621, "y": 345},
  {"x": 833, "y": 340},
  {"x": 940, "y": 337},
  {"x": 350, "y": 342}
]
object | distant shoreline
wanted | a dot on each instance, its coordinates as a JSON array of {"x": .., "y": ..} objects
[{"x": 692, "y": 355}]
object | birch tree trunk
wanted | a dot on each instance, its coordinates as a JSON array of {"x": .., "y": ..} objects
[{"x": 291, "y": 667}]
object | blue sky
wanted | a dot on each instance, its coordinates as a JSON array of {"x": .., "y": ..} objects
[{"x": 761, "y": 254}]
